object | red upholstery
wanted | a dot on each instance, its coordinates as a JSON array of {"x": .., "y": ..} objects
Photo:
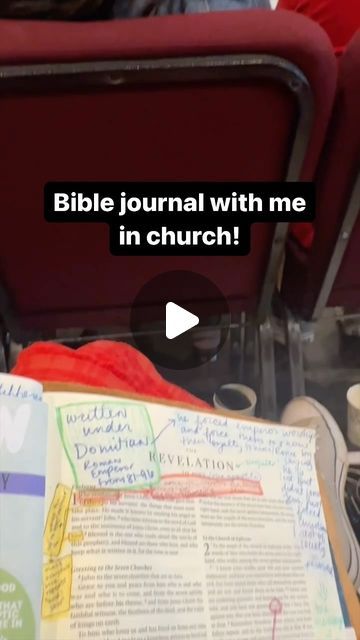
[
  {"x": 338, "y": 171},
  {"x": 63, "y": 275},
  {"x": 340, "y": 19}
]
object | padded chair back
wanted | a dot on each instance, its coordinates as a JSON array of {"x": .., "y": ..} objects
[
  {"x": 213, "y": 97},
  {"x": 330, "y": 273}
]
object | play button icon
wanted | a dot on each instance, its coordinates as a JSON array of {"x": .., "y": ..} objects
[{"x": 178, "y": 320}]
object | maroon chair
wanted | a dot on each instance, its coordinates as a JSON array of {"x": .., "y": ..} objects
[
  {"x": 242, "y": 96},
  {"x": 329, "y": 274}
]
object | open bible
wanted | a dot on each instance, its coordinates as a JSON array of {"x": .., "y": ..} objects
[{"x": 162, "y": 523}]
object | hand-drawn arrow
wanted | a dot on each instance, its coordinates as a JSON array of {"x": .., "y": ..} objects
[{"x": 171, "y": 423}]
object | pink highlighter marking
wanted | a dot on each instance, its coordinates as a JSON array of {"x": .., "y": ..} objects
[{"x": 275, "y": 607}]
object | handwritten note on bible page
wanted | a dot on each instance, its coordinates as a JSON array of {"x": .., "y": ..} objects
[{"x": 176, "y": 524}]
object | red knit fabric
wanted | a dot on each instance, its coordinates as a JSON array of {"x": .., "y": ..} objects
[{"x": 106, "y": 364}]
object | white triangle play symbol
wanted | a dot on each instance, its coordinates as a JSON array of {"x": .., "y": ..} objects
[{"x": 178, "y": 320}]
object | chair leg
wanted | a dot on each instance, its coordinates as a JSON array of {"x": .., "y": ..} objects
[
  {"x": 9, "y": 351},
  {"x": 267, "y": 370},
  {"x": 242, "y": 345},
  {"x": 14, "y": 351},
  {"x": 3, "y": 363},
  {"x": 295, "y": 355}
]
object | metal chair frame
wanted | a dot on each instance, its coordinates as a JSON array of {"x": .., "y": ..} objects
[{"x": 221, "y": 68}]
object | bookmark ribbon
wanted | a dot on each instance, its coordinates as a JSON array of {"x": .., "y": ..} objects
[{"x": 22, "y": 484}]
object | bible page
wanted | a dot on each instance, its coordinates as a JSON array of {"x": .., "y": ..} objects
[{"x": 171, "y": 524}]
